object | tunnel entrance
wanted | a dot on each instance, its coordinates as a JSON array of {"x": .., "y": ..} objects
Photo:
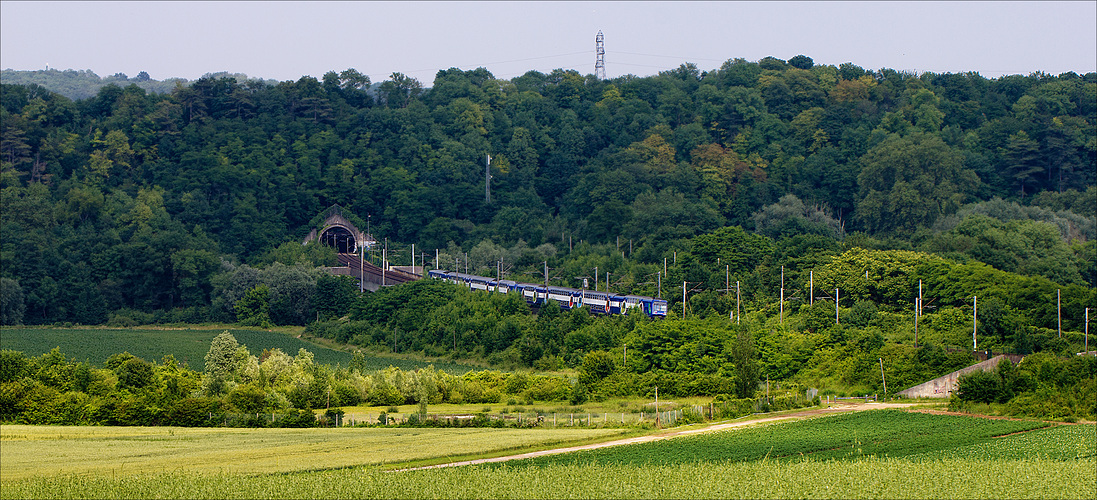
[{"x": 339, "y": 238}]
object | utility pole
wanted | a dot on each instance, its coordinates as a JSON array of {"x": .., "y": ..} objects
[
  {"x": 596, "y": 278},
  {"x": 659, "y": 277},
  {"x": 974, "y": 322},
  {"x": 737, "y": 313},
  {"x": 487, "y": 180},
  {"x": 917, "y": 306},
  {"x": 882, "y": 379},
  {"x": 919, "y": 297},
  {"x": 362, "y": 269},
  {"x": 836, "y": 306},
  {"x": 1087, "y": 331},
  {"x": 656, "y": 405},
  {"x": 917, "y": 313},
  {"x": 781, "y": 313},
  {"x": 811, "y": 288}
]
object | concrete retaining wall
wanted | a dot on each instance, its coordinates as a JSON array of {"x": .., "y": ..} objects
[{"x": 942, "y": 387}]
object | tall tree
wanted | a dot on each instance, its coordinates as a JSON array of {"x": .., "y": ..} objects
[{"x": 908, "y": 182}]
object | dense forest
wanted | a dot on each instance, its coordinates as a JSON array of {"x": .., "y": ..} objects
[
  {"x": 165, "y": 205},
  {"x": 751, "y": 191}
]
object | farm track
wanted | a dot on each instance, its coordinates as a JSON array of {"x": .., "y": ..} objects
[{"x": 673, "y": 433}]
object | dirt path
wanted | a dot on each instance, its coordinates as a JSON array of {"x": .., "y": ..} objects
[{"x": 844, "y": 408}]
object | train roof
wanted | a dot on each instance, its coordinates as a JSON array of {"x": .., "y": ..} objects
[{"x": 541, "y": 286}]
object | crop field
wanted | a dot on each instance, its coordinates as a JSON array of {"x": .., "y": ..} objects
[
  {"x": 1061, "y": 442},
  {"x": 45, "y": 451},
  {"x": 883, "y": 478},
  {"x": 880, "y": 433},
  {"x": 1048, "y": 462},
  {"x": 95, "y": 345}
]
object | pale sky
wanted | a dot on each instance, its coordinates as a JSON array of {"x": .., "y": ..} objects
[{"x": 286, "y": 40}]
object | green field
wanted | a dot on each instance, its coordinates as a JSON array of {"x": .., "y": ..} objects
[
  {"x": 188, "y": 345},
  {"x": 880, "y": 433},
  {"x": 868, "y": 478},
  {"x": 965, "y": 462}
]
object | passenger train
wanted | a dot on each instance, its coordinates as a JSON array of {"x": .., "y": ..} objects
[{"x": 568, "y": 298}]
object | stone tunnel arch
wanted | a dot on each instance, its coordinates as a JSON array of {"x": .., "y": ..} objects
[{"x": 335, "y": 229}]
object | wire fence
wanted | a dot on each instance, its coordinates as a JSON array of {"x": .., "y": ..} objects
[
  {"x": 335, "y": 417},
  {"x": 526, "y": 419}
]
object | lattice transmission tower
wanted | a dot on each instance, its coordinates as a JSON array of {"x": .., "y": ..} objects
[{"x": 600, "y": 64}]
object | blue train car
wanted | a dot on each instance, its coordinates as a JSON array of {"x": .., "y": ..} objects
[{"x": 567, "y": 298}]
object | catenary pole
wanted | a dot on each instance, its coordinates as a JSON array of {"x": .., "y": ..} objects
[
  {"x": 781, "y": 313},
  {"x": 974, "y": 322},
  {"x": 917, "y": 306},
  {"x": 882, "y": 379}
]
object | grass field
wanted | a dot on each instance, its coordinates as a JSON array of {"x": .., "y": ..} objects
[
  {"x": 1052, "y": 462},
  {"x": 188, "y": 345},
  {"x": 37, "y": 451},
  {"x": 867, "y": 478}
]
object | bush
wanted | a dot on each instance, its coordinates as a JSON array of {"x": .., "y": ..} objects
[
  {"x": 193, "y": 412},
  {"x": 296, "y": 418},
  {"x": 978, "y": 386}
]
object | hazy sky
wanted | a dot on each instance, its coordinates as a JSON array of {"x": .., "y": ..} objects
[{"x": 286, "y": 40}]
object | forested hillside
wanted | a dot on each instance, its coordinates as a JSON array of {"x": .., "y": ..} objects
[
  {"x": 84, "y": 84},
  {"x": 172, "y": 206}
]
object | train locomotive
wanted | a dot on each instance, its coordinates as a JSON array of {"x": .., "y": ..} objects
[{"x": 567, "y": 298}]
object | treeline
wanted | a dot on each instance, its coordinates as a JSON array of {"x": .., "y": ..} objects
[
  {"x": 132, "y": 199},
  {"x": 127, "y": 390},
  {"x": 85, "y": 84},
  {"x": 53, "y": 389}
]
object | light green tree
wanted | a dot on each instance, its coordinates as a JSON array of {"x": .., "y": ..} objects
[{"x": 221, "y": 360}]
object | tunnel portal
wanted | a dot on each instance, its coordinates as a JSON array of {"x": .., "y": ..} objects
[{"x": 339, "y": 238}]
